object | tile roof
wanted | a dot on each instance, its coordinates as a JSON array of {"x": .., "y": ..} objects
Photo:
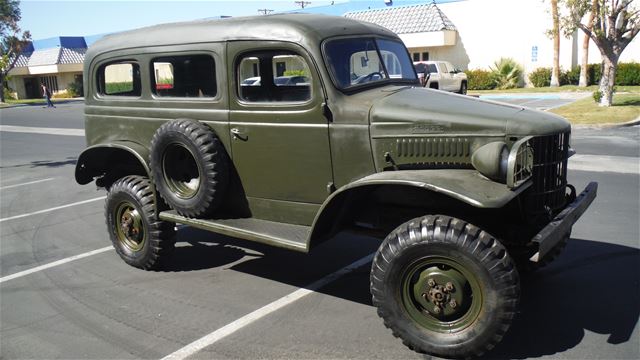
[
  {"x": 53, "y": 56},
  {"x": 406, "y": 19},
  {"x": 72, "y": 56},
  {"x": 44, "y": 57}
]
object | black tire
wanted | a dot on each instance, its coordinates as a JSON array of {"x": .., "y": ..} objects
[
  {"x": 189, "y": 166},
  {"x": 138, "y": 236},
  {"x": 439, "y": 248},
  {"x": 434, "y": 85},
  {"x": 463, "y": 88}
]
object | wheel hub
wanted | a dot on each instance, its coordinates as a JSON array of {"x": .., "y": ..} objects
[
  {"x": 130, "y": 226},
  {"x": 440, "y": 290}
]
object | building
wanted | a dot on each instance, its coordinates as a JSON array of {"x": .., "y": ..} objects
[
  {"x": 471, "y": 34},
  {"x": 55, "y": 62}
]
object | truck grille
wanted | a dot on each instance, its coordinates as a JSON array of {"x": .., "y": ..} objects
[{"x": 550, "y": 154}]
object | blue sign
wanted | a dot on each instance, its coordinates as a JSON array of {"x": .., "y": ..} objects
[{"x": 534, "y": 54}]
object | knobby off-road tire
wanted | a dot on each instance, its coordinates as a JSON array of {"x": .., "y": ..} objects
[
  {"x": 435, "y": 260},
  {"x": 138, "y": 236},
  {"x": 189, "y": 166}
]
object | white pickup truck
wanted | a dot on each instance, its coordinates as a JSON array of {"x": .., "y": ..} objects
[{"x": 441, "y": 75}]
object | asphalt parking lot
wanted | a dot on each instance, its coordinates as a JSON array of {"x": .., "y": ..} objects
[{"x": 586, "y": 305}]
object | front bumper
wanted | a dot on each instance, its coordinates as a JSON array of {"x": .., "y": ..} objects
[{"x": 561, "y": 225}]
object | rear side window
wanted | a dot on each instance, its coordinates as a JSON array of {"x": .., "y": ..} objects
[
  {"x": 184, "y": 76},
  {"x": 273, "y": 76},
  {"x": 120, "y": 79}
]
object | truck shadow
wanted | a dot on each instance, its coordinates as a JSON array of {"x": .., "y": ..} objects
[{"x": 593, "y": 286}]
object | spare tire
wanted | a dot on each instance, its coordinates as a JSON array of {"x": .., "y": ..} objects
[{"x": 189, "y": 167}]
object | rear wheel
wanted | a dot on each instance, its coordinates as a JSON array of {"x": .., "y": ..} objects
[
  {"x": 445, "y": 287},
  {"x": 138, "y": 236}
]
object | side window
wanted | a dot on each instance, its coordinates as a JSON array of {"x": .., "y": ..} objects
[
  {"x": 120, "y": 79},
  {"x": 444, "y": 68},
  {"x": 273, "y": 76},
  {"x": 184, "y": 76}
]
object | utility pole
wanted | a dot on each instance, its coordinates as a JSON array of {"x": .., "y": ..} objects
[
  {"x": 302, "y": 4},
  {"x": 265, "y": 11}
]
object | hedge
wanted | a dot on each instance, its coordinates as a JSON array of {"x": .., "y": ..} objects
[
  {"x": 480, "y": 80},
  {"x": 628, "y": 74}
]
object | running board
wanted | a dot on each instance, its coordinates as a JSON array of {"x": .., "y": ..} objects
[{"x": 288, "y": 236}]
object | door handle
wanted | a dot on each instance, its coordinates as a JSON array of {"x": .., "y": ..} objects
[{"x": 237, "y": 134}]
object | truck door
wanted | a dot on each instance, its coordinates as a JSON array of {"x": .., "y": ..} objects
[{"x": 279, "y": 135}]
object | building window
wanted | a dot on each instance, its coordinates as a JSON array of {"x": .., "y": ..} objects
[
  {"x": 416, "y": 56},
  {"x": 273, "y": 76},
  {"x": 120, "y": 79},
  {"x": 184, "y": 76},
  {"x": 51, "y": 82},
  {"x": 425, "y": 56}
]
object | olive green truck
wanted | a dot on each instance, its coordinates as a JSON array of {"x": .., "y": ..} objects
[{"x": 288, "y": 129}]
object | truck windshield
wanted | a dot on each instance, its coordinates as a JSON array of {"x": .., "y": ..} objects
[{"x": 358, "y": 61}]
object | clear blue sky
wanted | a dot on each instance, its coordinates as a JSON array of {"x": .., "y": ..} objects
[{"x": 47, "y": 19}]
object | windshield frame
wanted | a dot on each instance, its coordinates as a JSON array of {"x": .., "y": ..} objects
[{"x": 373, "y": 84}]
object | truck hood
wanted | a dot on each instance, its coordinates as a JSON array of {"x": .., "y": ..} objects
[{"x": 419, "y": 111}]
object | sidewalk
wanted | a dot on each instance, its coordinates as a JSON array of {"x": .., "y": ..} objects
[{"x": 41, "y": 103}]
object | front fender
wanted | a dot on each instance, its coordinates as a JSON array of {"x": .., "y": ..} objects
[
  {"x": 467, "y": 186},
  {"x": 96, "y": 160}
]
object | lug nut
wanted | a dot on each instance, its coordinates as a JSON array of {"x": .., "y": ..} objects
[
  {"x": 449, "y": 286},
  {"x": 436, "y": 309},
  {"x": 430, "y": 282},
  {"x": 453, "y": 304}
]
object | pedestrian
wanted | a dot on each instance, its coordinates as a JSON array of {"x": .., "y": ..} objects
[{"x": 47, "y": 95}]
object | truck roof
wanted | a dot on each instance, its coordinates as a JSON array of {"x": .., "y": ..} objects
[{"x": 293, "y": 27}]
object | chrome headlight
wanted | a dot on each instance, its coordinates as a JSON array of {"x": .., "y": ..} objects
[{"x": 520, "y": 165}]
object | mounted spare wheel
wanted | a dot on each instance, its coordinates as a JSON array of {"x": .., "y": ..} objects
[{"x": 189, "y": 166}]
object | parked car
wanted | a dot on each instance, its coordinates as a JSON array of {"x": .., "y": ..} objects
[
  {"x": 442, "y": 75},
  {"x": 459, "y": 190}
]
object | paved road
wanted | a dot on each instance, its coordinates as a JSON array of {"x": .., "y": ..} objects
[{"x": 585, "y": 305}]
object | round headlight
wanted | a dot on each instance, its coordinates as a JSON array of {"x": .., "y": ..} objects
[{"x": 491, "y": 160}]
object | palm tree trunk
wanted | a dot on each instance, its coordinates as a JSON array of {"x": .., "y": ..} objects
[{"x": 555, "y": 74}]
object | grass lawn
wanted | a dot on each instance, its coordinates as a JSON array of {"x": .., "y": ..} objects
[
  {"x": 626, "y": 107},
  {"x": 566, "y": 88}
]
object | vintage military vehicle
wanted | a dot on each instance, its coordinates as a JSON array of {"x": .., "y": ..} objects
[{"x": 464, "y": 192}]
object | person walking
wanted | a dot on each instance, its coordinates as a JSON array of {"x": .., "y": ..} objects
[{"x": 47, "y": 95}]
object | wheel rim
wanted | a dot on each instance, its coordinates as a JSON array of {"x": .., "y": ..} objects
[
  {"x": 440, "y": 294},
  {"x": 129, "y": 226},
  {"x": 181, "y": 171}
]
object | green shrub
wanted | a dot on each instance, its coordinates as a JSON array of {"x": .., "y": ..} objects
[
  {"x": 480, "y": 80},
  {"x": 597, "y": 96},
  {"x": 62, "y": 95},
  {"x": 8, "y": 94},
  {"x": 75, "y": 89},
  {"x": 628, "y": 74},
  {"x": 540, "y": 77},
  {"x": 594, "y": 73},
  {"x": 295, "y": 73},
  {"x": 506, "y": 73},
  {"x": 570, "y": 77},
  {"x": 118, "y": 87}
]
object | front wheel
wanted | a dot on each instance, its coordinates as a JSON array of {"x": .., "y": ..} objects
[
  {"x": 463, "y": 88},
  {"x": 138, "y": 236},
  {"x": 445, "y": 287}
]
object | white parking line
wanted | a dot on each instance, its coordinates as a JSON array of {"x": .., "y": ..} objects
[
  {"x": 42, "y": 130},
  {"x": 52, "y": 209},
  {"x": 53, "y": 264},
  {"x": 23, "y": 184},
  {"x": 262, "y": 312}
]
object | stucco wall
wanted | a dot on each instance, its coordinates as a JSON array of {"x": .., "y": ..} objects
[{"x": 490, "y": 29}]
